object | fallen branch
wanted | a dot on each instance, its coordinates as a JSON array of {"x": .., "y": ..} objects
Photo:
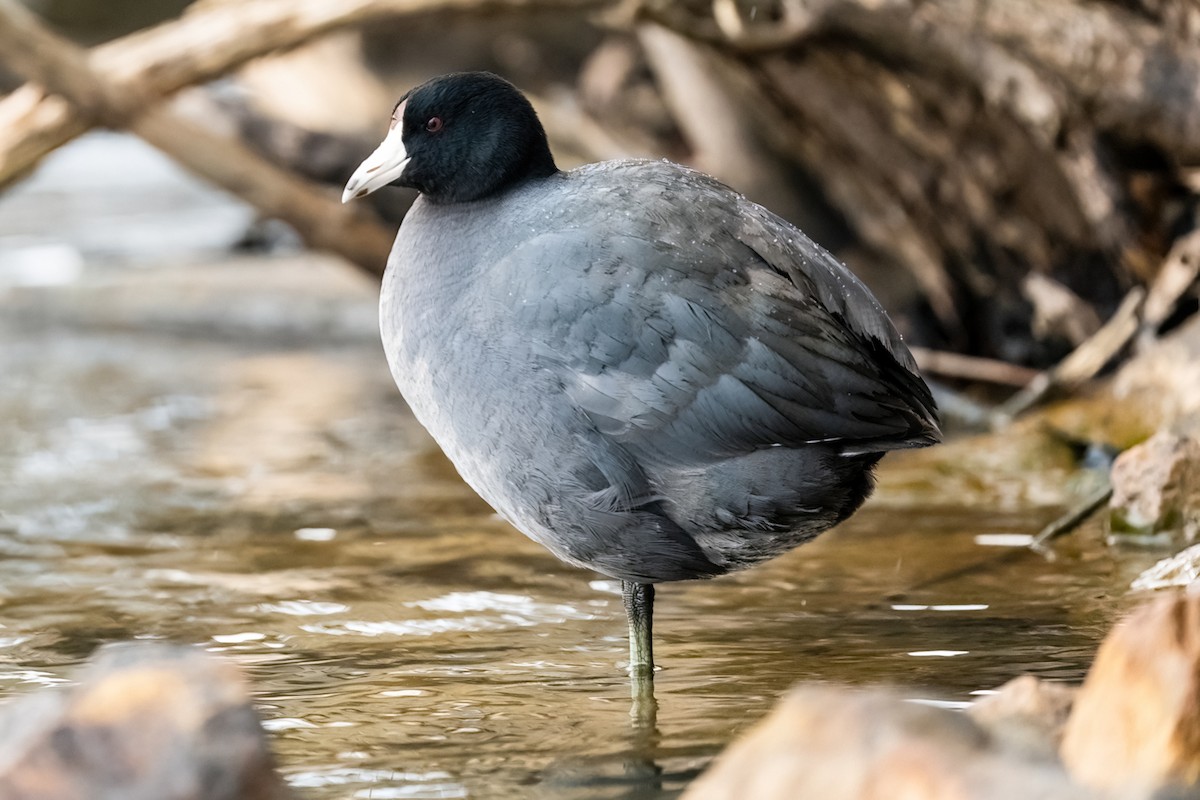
[
  {"x": 1082, "y": 364},
  {"x": 29, "y": 48},
  {"x": 972, "y": 368},
  {"x": 198, "y": 47},
  {"x": 1179, "y": 273},
  {"x": 1110, "y": 58},
  {"x": 324, "y": 158},
  {"x": 920, "y": 117},
  {"x": 1071, "y": 520}
]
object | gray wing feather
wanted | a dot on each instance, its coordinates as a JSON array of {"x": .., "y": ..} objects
[{"x": 684, "y": 354}]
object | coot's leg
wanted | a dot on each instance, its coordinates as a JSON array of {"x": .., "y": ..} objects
[{"x": 639, "y": 608}]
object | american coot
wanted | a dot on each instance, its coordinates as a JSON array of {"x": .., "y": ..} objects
[{"x": 637, "y": 367}]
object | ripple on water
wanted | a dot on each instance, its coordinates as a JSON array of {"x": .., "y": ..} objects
[
  {"x": 303, "y": 608},
  {"x": 32, "y": 676},
  {"x": 522, "y": 606},
  {"x": 508, "y": 611},
  {"x": 381, "y": 783}
]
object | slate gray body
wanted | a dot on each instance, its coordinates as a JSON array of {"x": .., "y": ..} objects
[{"x": 643, "y": 371}]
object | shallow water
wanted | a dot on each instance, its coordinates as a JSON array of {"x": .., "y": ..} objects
[
  {"x": 215, "y": 454},
  {"x": 276, "y": 504}
]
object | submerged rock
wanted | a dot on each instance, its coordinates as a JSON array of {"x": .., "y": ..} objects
[
  {"x": 1156, "y": 487},
  {"x": 147, "y": 721},
  {"x": 1027, "y": 715}
]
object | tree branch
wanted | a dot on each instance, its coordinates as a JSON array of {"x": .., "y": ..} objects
[
  {"x": 203, "y": 45},
  {"x": 1134, "y": 78},
  {"x": 28, "y": 48}
]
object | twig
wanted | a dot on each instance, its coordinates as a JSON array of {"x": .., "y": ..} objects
[
  {"x": 972, "y": 368},
  {"x": 1072, "y": 519},
  {"x": 1178, "y": 273},
  {"x": 1082, "y": 364}
]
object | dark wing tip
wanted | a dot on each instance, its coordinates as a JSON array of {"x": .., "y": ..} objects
[{"x": 910, "y": 401}]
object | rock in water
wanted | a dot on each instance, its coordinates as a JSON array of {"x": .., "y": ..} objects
[
  {"x": 147, "y": 721},
  {"x": 1136, "y": 723},
  {"x": 832, "y": 743}
]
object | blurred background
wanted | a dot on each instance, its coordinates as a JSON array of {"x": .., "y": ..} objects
[
  {"x": 201, "y": 441},
  {"x": 1000, "y": 175}
]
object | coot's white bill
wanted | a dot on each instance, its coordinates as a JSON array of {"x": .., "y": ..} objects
[{"x": 382, "y": 167}]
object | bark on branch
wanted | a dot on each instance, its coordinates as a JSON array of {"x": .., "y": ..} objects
[
  {"x": 1138, "y": 78},
  {"x": 27, "y": 47},
  {"x": 977, "y": 143},
  {"x": 198, "y": 47}
]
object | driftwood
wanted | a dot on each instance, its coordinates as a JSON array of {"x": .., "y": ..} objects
[
  {"x": 1084, "y": 362},
  {"x": 975, "y": 142},
  {"x": 63, "y": 68},
  {"x": 1069, "y": 521},
  {"x": 318, "y": 156},
  {"x": 1178, "y": 275},
  {"x": 1105, "y": 54},
  {"x": 972, "y": 368}
]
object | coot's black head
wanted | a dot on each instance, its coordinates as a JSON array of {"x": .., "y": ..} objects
[{"x": 459, "y": 137}]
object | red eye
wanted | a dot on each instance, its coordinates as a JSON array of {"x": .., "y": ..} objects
[{"x": 434, "y": 125}]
